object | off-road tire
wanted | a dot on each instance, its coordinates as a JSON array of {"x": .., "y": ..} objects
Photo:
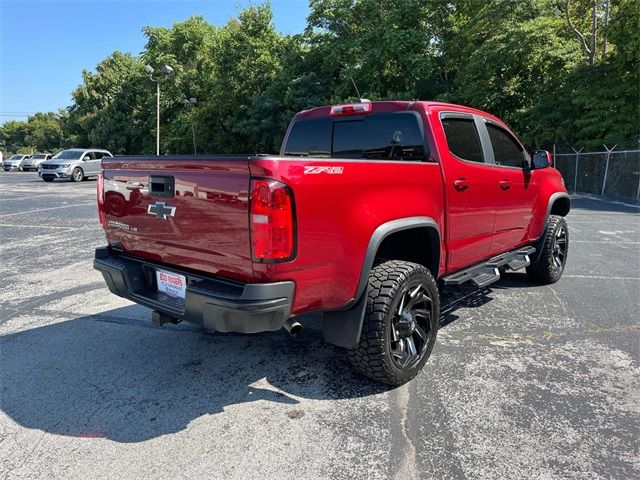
[
  {"x": 387, "y": 282},
  {"x": 75, "y": 176},
  {"x": 544, "y": 270}
]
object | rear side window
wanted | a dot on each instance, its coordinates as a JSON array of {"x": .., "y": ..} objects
[
  {"x": 505, "y": 149},
  {"x": 310, "y": 138},
  {"x": 463, "y": 139},
  {"x": 387, "y": 136}
]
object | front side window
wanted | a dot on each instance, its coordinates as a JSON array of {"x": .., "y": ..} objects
[
  {"x": 506, "y": 150},
  {"x": 463, "y": 139}
]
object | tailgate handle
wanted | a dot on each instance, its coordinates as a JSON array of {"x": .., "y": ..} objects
[{"x": 161, "y": 186}]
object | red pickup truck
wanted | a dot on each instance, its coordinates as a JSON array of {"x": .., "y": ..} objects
[{"x": 369, "y": 209}]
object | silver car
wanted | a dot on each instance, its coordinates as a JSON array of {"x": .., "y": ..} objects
[
  {"x": 74, "y": 163},
  {"x": 33, "y": 162},
  {"x": 14, "y": 162}
]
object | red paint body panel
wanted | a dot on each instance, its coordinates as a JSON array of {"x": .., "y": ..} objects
[
  {"x": 336, "y": 210},
  {"x": 209, "y": 233},
  {"x": 336, "y": 216}
]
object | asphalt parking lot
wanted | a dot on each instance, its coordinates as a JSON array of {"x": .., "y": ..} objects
[{"x": 524, "y": 381}]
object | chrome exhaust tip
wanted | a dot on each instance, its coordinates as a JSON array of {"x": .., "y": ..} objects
[{"x": 293, "y": 327}]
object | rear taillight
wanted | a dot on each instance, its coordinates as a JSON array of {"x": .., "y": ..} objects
[
  {"x": 272, "y": 221},
  {"x": 100, "y": 194}
]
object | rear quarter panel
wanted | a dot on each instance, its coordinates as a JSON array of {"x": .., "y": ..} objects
[{"x": 337, "y": 210}]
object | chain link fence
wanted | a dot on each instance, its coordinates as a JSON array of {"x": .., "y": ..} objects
[{"x": 609, "y": 173}]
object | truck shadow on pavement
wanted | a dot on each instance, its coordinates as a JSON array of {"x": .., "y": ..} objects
[{"x": 115, "y": 376}]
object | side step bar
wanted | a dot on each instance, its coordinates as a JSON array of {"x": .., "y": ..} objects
[{"x": 487, "y": 272}]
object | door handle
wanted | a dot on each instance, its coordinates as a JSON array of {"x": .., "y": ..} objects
[
  {"x": 504, "y": 184},
  {"x": 460, "y": 184}
]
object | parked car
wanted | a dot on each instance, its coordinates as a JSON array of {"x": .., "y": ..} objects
[
  {"x": 368, "y": 210},
  {"x": 14, "y": 162},
  {"x": 75, "y": 163},
  {"x": 34, "y": 161}
]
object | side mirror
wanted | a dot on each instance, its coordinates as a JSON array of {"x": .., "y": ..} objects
[
  {"x": 541, "y": 159},
  {"x": 87, "y": 158}
]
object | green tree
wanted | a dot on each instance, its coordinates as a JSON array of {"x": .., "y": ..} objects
[
  {"x": 12, "y": 135},
  {"x": 524, "y": 61},
  {"x": 43, "y": 132},
  {"x": 108, "y": 109},
  {"x": 190, "y": 48},
  {"x": 247, "y": 59}
]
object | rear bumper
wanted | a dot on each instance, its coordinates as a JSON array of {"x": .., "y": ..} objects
[{"x": 214, "y": 303}]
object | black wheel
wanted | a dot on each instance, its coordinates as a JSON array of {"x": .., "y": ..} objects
[
  {"x": 47, "y": 179},
  {"x": 550, "y": 263},
  {"x": 400, "y": 323},
  {"x": 77, "y": 175}
]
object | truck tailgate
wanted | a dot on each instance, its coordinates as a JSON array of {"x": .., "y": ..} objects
[{"x": 189, "y": 211}]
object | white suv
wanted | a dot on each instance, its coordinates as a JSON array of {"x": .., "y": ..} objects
[
  {"x": 74, "y": 163},
  {"x": 34, "y": 161},
  {"x": 14, "y": 162}
]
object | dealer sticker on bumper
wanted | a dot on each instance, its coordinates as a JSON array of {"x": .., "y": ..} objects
[{"x": 171, "y": 283}]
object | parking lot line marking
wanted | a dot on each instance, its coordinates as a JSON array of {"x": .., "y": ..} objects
[
  {"x": 602, "y": 277},
  {"x": 70, "y": 228},
  {"x": 50, "y": 208},
  {"x": 605, "y": 241},
  {"x": 20, "y": 197}
]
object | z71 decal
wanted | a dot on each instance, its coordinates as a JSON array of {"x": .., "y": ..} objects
[{"x": 331, "y": 170}]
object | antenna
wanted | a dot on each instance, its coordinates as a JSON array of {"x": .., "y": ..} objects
[{"x": 356, "y": 87}]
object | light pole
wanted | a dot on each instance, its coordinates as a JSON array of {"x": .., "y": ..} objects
[
  {"x": 165, "y": 72},
  {"x": 190, "y": 103},
  {"x": 57, "y": 117}
]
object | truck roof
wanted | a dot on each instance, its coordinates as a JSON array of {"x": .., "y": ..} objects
[{"x": 398, "y": 105}]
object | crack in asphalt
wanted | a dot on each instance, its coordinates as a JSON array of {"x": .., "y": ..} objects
[{"x": 407, "y": 468}]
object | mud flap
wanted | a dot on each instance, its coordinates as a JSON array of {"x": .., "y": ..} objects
[{"x": 342, "y": 328}]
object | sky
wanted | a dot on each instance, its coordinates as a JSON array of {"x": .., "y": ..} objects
[{"x": 45, "y": 44}]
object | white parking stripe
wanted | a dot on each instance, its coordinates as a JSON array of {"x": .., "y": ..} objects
[
  {"x": 51, "y": 208},
  {"x": 70, "y": 228},
  {"x": 605, "y": 241},
  {"x": 602, "y": 277}
]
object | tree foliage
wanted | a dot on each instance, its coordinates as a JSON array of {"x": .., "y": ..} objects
[{"x": 559, "y": 71}]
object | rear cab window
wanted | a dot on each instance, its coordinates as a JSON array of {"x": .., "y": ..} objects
[{"x": 384, "y": 136}]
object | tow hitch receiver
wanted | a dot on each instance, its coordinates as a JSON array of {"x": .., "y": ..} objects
[{"x": 159, "y": 319}]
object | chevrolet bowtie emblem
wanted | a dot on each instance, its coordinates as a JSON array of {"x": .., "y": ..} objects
[{"x": 161, "y": 210}]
